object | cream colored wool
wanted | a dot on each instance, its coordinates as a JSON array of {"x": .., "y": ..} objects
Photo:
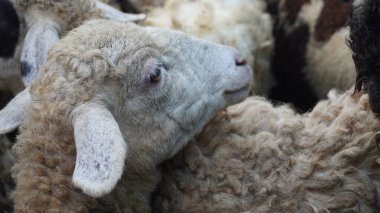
[
  {"x": 255, "y": 157},
  {"x": 242, "y": 24},
  {"x": 69, "y": 14}
]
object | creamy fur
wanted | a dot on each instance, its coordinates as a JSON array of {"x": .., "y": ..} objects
[{"x": 255, "y": 157}]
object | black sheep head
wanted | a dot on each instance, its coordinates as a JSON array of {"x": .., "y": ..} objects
[{"x": 364, "y": 41}]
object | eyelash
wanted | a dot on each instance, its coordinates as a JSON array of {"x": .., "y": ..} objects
[{"x": 155, "y": 77}]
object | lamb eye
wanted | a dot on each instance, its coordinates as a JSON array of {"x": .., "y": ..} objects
[{"x": 156, "y": 75}]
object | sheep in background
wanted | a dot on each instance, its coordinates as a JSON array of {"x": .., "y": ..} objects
[
  {"x": 310, "y": 54},
  {"x": 365, "y": 44},
  {"x": 258, "y": 158},
  {"x": 114, "y": 95},
  {"x": 242, "y": 24},
  {"x": 42, "y": 24},
  {"x": 9, "y": 33}
]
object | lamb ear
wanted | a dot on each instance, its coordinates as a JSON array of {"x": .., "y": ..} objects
[
  {"x": 42, "y": 34},
  {"x": 101, "y": 149},
  {"x": 113, "y": 14},
  {"x": 12, "y": 115}
]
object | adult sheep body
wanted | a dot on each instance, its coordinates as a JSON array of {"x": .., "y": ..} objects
[
  {"x": 114, "y": 95},
  {"x": 258, "y": 158}
]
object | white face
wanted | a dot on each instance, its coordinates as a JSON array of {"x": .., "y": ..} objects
[{"x": 174, "y": 85}]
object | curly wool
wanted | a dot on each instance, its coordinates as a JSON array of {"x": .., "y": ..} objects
[
  {"x": 242, "y": 24},
  {"x": 259, "y": 158},
  {"x": 45, "y": 149},
  {"x": 70, "y": 13}
]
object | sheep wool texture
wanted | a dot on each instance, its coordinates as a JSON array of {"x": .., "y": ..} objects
[
  {"x": 242, "y": 24},
  {"x": 255, "y": 157},
  {"x": 70, "y": 13},
  {"x": 45, "y": 149}
]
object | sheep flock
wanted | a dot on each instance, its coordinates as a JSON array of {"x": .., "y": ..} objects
[{"x": 189, "y": 106}]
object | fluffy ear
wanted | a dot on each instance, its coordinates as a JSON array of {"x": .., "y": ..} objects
[
  {"x": 42, "y": 34},
  {"x": 12, "y": 115},
  {"x": 113, "y": 14},
  {"x": 101, "y": 149}
]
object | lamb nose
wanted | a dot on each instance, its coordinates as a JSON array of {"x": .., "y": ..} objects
[{"x": 239, "y": 60}]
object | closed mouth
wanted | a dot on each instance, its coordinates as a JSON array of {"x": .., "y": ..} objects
[{"x": 231, "y": 92}]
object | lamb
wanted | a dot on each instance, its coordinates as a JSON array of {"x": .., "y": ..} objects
[
  {"x": 111, "y": 97},
  {"x": 310, "y": 54},
  {"x": 242, "y": 24},
  {"x": 364, "y": 31},
  {"x": 42, "y": 24},
  {"x": 254, "y": 157}
]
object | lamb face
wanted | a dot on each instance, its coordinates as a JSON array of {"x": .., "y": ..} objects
[
  {"x": 133, "y": 93},
  {"x": 197, "y": 78}
]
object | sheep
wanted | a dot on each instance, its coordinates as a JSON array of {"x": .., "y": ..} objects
[
  {"x": 42, "y": 24},
  {"x": 9, "y": 33},
  {"x": 364, "y": 42},
  {"x": 255, "y": 157},
  {"x": 116, "y": 96},
  {"x": 46, "y": 21},
  {"x": 242, "y": 24},
  {"x": 310, "y": 54}
]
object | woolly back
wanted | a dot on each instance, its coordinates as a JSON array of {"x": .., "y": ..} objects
[{"x": 259, "y": 158}]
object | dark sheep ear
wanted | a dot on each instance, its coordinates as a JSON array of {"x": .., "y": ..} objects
[
  {"x": 9, "y": 29},
  {"x": 42, "y": 34}
]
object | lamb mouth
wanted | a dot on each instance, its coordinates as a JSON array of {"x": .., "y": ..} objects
[{"x": 242, "y": 89}]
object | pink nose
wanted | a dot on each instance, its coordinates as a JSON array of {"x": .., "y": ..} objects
[{"x": 239, "y": 60}]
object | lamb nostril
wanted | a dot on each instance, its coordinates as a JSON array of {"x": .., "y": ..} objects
[{"x": 240, "y": 61}]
